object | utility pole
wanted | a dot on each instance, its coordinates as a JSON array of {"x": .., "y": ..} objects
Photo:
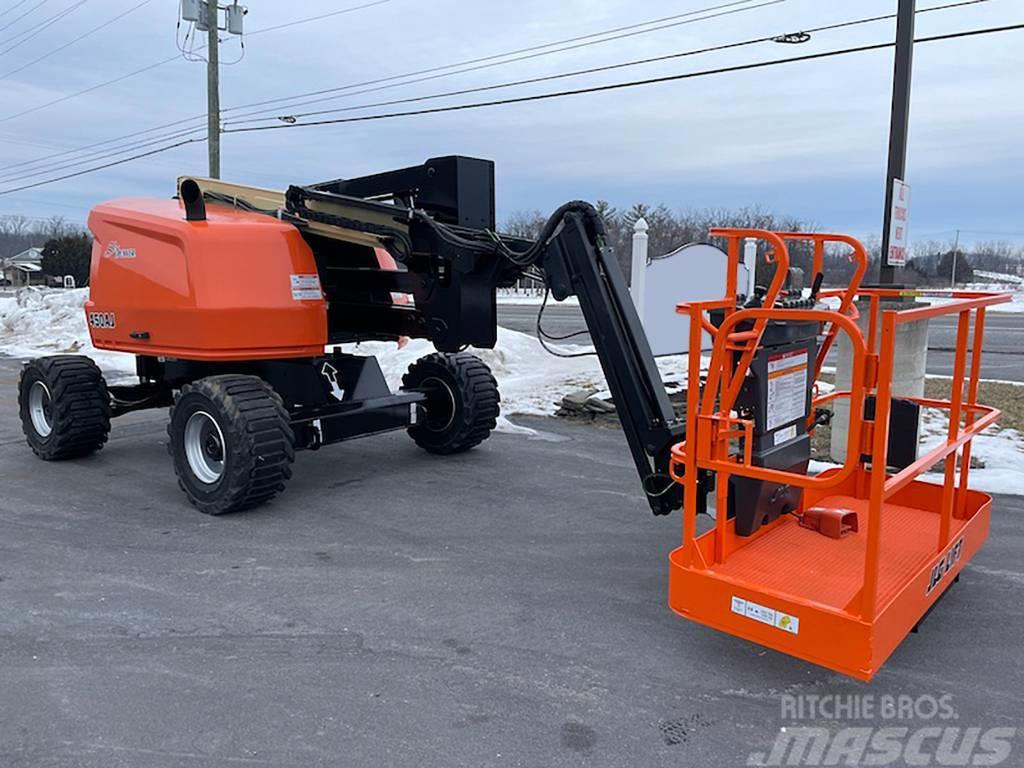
[
  {"x": 213, "y": 88},
  {"x": 956, "y": 250},
  {"x": 204, "y": 16},
  {"x": 898, "y": 124}
]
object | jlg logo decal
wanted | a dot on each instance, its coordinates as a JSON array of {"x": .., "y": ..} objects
[
  {"x": 102, "y": 320},
  {"x": 115, "y": 251},
  {"x": 945, "y": 564}
]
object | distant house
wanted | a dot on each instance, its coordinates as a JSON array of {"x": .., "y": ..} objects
[{"x": 24, "y": 268}]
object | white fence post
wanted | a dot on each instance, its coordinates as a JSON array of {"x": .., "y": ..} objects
[
  {"x": 638, "y": 265},
  {"x": 750, "y": 260}
]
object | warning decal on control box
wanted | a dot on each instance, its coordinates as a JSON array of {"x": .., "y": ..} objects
[
  {"x": 787, "y": 388},
  {"x": 784, "y": 621},
  {"x": 305, "y": 287}
]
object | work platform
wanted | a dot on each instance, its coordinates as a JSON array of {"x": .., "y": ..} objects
[{"x": 846, "y": 600}]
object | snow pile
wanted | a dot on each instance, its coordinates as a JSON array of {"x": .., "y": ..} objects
[
  {"x": 1000, "y": 450},
  {"x": 531, "y": 381},
  {"x": 994, "y": 282},
  {"x": 38, "y": 321},
  {"x": 1000, "y": 277},
  {"x": 513, "y": 297},
  {"x": 1015, "y": 305}
]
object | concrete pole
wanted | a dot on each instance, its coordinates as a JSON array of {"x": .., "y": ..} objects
[
  {"x": 638, "y": 265},
  {"x": 911, "y": 355},
  {"x": 899, "y": 123},
  {"x": 213, "y": 88}
]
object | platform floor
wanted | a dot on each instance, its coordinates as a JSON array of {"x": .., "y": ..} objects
[{"x": 803, "y": 563}]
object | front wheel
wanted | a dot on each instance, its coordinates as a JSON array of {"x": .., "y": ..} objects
[
  {"x": 461, "y": 408},
  {"x": 231, "y": 441}
]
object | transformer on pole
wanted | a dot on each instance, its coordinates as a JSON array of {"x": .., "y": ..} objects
[{"x": 206, "y": 17}]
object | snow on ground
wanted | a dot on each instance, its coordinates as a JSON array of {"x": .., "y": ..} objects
[
  {"x": 531, "y": 380},
  {"x": 1015, "y": 305},
  {"x": 1000, "y": 277},
  {"x": 531, "y": 299},
  {"x": 936, "y": 296},
  {"x": 35, "y": 322},
  {"x": 1000, "y": 450}
]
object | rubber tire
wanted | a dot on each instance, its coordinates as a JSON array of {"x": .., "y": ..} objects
[
  {"x": 80, "y": 406},
  {"x": 473, "y": 392},
  {"x": 259, "y": 445}
]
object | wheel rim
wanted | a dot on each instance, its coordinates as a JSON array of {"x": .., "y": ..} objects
[
  {"x": 440, "y": 404},
  {"x": 40, "y": 409},
  {"x": 204, "y": 447}
]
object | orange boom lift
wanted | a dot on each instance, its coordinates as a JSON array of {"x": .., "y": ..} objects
[
  {"x": 242, "y": 305},
  {"x": 857, "y": 555}
]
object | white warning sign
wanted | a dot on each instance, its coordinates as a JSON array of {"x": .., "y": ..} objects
[
  {"x": 306, "y": 287},
  {"x": 784, "y": 621},
  {"x": 899, "y": 224},
  {"x": 787, "y": 388}
]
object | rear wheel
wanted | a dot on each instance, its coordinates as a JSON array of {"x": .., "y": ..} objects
[
  {"x": 231, "y": 441},
  {"x": 461, "y": 408},
  {"x": 64, "y": 406}
]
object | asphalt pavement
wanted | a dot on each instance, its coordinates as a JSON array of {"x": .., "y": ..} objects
[
  {"x": 391, "y": 608},
  {"x": 1002, "y": 357}
]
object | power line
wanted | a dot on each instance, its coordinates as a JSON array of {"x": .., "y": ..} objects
[
  {"x": 627, "y": 84},
  {"x": 105, "y": 165},
  {"x": 88, "y": 90},
  {"x": 139, "y": 144},
  {"x": 176, "y": 134},
  {"x": 309, "y": 19},
  {"x": 10, "y": 24},
  {"x": 42, "y": 26},
  {"x": 540, "y": 97},
  {"x": 113, "y": 151},
  {"x": 293, "y": 97},
  {"x": 74, "y": 40},
  {"x": 156, "y": 64},
  {"x": 8, "y": 139},
  {"x": 665, "y": 22},
  {"x": 198, "y": 133},
  {"x": 19, "y": 3},
  {"x": 592, "y": 70}
]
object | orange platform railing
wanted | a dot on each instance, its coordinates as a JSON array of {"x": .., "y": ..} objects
[{"x": 720, "y": 441}]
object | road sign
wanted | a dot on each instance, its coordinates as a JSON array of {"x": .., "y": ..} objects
[{"x": 899, "y": 221}]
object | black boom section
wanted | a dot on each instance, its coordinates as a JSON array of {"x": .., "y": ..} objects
[
  {"x": 453, "y": 190},
  {"x": 575, "y": 263}
]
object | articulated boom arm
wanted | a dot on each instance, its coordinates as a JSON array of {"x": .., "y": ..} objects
[{"x": 575, "y": 262}]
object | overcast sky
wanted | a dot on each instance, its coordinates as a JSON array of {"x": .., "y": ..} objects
[{"x": 806, "y": 139}]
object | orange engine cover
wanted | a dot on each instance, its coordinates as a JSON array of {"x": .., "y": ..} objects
[{"x": 237, "y": 286}]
